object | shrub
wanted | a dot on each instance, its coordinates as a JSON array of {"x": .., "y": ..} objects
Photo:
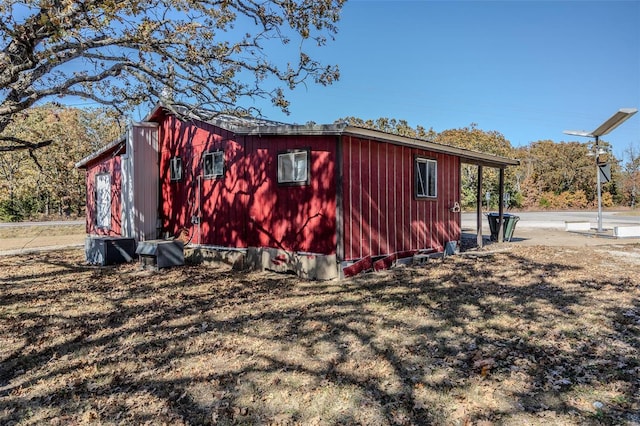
[{"x": 9, "y": 211}]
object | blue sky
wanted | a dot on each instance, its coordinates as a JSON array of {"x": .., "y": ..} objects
[{"x": 528, "y": 69}]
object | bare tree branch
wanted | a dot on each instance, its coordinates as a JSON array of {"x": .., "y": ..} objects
[
  {"x": 126, "y": 52},
  {"x": 17, "y": 144}
]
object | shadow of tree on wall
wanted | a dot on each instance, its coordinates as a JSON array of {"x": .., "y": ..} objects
[
  {"x": 112, "y": 168},
  {"x": 504, "y": 337},
  {"x": 246, "y": 206}
]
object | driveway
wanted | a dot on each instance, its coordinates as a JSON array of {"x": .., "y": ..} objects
[
  {"x": 556, "y": 220},
  {"x": 548, "y": 228}
]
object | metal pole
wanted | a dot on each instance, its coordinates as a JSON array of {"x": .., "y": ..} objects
[
  {"x": 479, "y": 208},
  {"x": 501, "y": 205},
  {"x": 599, "y": 189}
]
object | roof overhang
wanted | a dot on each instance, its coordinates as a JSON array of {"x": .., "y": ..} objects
[
  {"x": 466, "y": 155},
  {"x": 112, "y": 148},
  {"x": 259, "y": 127}
]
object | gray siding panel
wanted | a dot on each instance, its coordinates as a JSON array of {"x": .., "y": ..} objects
[{"x": 141, "y": 183}]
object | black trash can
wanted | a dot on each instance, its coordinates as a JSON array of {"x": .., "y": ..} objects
[{"x": 509, "y": 225}]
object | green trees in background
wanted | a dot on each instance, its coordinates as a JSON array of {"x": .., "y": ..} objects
[
  {"x": 44, "y": 182},
  {"x": 563, "y": 175},
  {"x": 491, "y": 142},
  {"x": 630, "y": 173},
  {"x": 551, "y": 175}
]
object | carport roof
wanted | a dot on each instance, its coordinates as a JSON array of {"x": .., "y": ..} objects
[{"x": 466, "y": 155}]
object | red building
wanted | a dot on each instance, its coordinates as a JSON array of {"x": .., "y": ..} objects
[{"x": 312, "y": 198}]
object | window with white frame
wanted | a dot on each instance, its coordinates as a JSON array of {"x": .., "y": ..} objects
[
  {"x": 426, "y": 177},
  {"x": 293, "y": 167},
  {"x": 175, "y": 168},
  {"x": 213, "y": 164}
]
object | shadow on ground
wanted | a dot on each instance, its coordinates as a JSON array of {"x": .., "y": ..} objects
[{"x": 533, "y": 336}]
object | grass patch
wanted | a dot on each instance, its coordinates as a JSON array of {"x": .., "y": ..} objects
[
  {"x": 534, "y": 335},
  {"x": 635, "y": 212},
  {"x": 44, "y": 230}
]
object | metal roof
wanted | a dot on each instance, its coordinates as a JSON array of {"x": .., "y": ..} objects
[
  {"x": 262, "y": 127},
  {"x": 225, "y": 121},
  {"x": 111, "y": 147},
  {"x": 466, "y": 155}
]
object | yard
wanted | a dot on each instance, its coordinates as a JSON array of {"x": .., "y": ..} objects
[{"x": 527, "y": 335}]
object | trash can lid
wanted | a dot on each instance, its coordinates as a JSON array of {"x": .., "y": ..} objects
[{"x": 493, "y": 214}]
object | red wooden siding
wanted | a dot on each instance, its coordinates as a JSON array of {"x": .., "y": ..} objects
[
  {"x": 112, "y": 166},
  {"x": 213, "y": 200},
  {"x": 381, "y": 213},
  {"x": 296, "y": 218},
  {"x": 247, "y": 207}
]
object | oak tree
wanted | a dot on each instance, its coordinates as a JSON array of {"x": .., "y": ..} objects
[
  {"x": 208, "y": 54},
  {"x": 493, "y": 142},
  {"x": 391, "y": 125},
  {"x": 631, "y": 175},
  {"x": 48, "y": 182}
]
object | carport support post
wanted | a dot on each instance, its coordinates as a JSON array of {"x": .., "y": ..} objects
[
  {"x": 501, "y": 205},
  {"x": 479, "y": 208}
]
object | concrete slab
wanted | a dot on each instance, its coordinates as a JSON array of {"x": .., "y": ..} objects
[
  {"x": 577, "y": 226},
  {"x": 626, "y": 231}
]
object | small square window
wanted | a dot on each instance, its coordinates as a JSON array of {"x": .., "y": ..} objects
[
  {"x": 213, "y": 164},
  {"x": 175, "y": 168},
  {"x": 426, "y": 178},
  {"x": 293, "y": 167}
]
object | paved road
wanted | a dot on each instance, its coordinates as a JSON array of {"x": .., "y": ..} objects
[
  {"x": 50, "y": 223},
  {"x": 527, "y": 220},
  {"x": 556, "y": 220}
]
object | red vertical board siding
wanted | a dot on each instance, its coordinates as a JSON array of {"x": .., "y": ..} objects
[
  {"x": 292, "y": 217},
  {"x": 383, "y": 233},
  {"x": 112, "y": 166},
  {"x": 365, "y": 198},
  {"x": 407, "y": 197},
  {"x": 247, "y": 207},
  {"x": 381, "y": 214},
  {"x": 210, "y": 199},
  {"x": 396, "y": 225},
  {"x": 173, "y": 195},
  {"x": 375, "y": 182},
  {"x": 442, "y": 196},
  {"x": 359, "y": 248},
  {"x": 347, "y": 196}
]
